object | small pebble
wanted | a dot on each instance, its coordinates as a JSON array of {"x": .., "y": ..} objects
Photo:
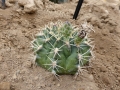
[
  {"x": 28, "y": 64},
  {"x": 103, "y": 69},
  {"x": 117, "y": 67},
  {"x": 118, "y": 79},
  {"x": 15, "y": 77},
  {"x": 58, "y": 85},
  {"x": 118, "y": 56},
  {"x": 36, "y": 78},
  {"x": 91, "y": 78}
]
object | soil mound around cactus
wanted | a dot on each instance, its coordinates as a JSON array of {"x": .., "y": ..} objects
[{"x": 17, "y": 30}]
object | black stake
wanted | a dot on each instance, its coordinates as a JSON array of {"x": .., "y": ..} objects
[
  {"x": 3, "y": 4},
  {"x": 78, "y": 9}
]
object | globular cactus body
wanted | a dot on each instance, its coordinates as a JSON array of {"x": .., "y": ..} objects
[{"x": 62, "y": 49}]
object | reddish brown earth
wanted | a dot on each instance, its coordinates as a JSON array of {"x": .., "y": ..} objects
[{"x": 17, "y": 30}]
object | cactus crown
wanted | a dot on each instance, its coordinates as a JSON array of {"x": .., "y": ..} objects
[{"x": 63, "y": 49}]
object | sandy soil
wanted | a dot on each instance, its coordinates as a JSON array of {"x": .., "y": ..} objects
[{"x": 17, "y": 30}]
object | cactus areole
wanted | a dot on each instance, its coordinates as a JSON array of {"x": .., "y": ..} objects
[{"x": 62, "y": 49}]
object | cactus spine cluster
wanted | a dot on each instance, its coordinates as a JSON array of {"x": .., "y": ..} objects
[{"x": 62, "y": 48}]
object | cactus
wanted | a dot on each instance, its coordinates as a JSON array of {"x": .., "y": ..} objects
[{"x": 62, "y": 48}]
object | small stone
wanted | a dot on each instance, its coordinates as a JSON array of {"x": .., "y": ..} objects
[
  {"x": 118, "y": 78},
  {"x": 103, "y": 69},
  {"x": 15, "y": 78},
  {"x": 117, "y": 67},
  {"x": 5, "y": 86},
  {"x": 24, "y": 71},
  {"x": 58, "y": 85},
  {"x": 105, "y": 16},
  {"x": 91, "y": 78},
  {"x": 36, "y": 78},
  {"x": 28, "y": 64},
  {"x": 118, "y": 56},
  {"x": 112, "y": 45}
]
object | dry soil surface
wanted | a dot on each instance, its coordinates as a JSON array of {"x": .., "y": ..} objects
[{"x": 17, "y": 30}]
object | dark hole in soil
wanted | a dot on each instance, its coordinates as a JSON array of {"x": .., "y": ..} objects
[{"x": 59, "y": 1}]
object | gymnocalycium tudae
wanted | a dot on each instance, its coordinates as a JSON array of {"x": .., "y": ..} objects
[{"x": 62, "y": 48}]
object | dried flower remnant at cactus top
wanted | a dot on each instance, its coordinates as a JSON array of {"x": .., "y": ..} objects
[{"x": 63, "y": 49}]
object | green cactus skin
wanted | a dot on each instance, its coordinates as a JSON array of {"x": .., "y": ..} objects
[{"x": 62, "y": 49}]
